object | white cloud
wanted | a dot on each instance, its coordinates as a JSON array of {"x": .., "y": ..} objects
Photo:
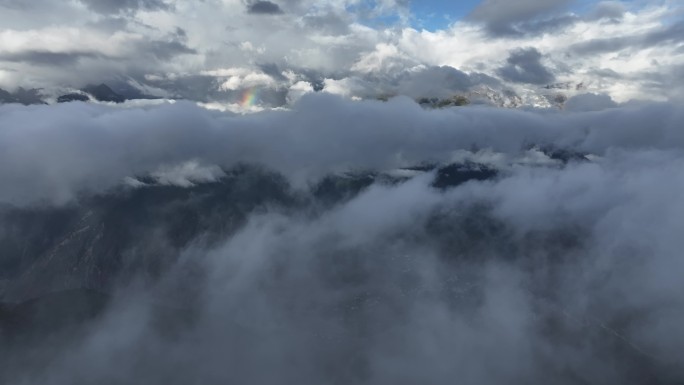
[
  {"x": 181, "y": 43},
  {"x": 187, "y": 174}
]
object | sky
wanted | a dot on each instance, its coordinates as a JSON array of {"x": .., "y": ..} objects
[
  {"x": 232, "y": 54},
  {"x": 438, "y": 14}
]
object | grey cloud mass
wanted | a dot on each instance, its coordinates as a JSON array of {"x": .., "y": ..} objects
[
  {"x": 525, "y": 277},
  {"x": 165, "y": 50},
  {"x": 108, "y": 7},
  {"x": 589, "y": 102},
  {"x": 501, "y": 16},
  {"x": 39, "y": 163},
  {"x": 348, "y": 46},
  {"x": 264, "y": 8},
  {"x": 525, "y": 66},
  {"x": 47, "y": 58},
  {"x": 672, "y": 34},
  {"x": 612, "y": 10}
]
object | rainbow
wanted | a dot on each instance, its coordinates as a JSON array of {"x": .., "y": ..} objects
[{"x": 250, "y": 97}]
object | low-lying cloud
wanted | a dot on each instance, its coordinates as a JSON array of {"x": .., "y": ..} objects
[
  {"x": 562, "y": 268},
  {"x": 54, "y": 153}
]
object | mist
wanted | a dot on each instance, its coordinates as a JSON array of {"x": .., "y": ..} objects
[
  {"x": 343, "y": 242},
  {"x": 53, "y": 153}
]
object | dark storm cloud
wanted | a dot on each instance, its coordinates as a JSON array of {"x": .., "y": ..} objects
[
  {"x": 610, "y": 10},
  {"x": 550, "y": 25},
  {"x": 432, "y": 81},
  {"x": 440, "y": 82},
  {"x": 272, "y": 70},
  {"x": 330, "y": 23},
  {"x": 133, "y": 60},
  {"x": 606, "y": 73},
  {"x": 597, "y": 46},
  {"x": 589, "y": 102},
  {"x": 109, "y": 7},
  {"x": 181, "y": 34},
  {"x": 16, "y": 4},
  {"x": 502, "y": 17},
  {"x": 47, "y": 58},
  {"x": 525, "y": 66},
  {"x": 666, "y": 80},
  {"x": 199, "y": 88},
  {"x": 673, "y": 34},
  {"x": 164, "y": 50},
  {"x": 264, "y": 8}
]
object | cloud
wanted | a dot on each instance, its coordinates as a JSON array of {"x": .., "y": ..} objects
[
  {"x": 47, "y": 58},
  {"x": 187, "y": 174},
  {"x": 589, "y": 102},
  {"x": 416, "y": 82},
  {"x": 435, "y": 82},
  {"x": 524, "y": 66},
  {"x": 612, "y": 10},
  {"x": 470, "y": 48},
  {"x": 165, "y": 50},
  {"x": 673, "y": 34},
  {"x": 530, "y": 275},
  {"x": 264, "y": 8},
  {"x": 332, "y": 23},
  {"x": 40, "y": 163},
  {"x": 347, "y": 42},
  {"x": 501, "y": 16},
  {"x": 108, "y": 7}
]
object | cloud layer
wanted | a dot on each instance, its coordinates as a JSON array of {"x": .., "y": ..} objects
[
  {"x": 568, "y": 272},
  {"x": 53, "y": 153}
]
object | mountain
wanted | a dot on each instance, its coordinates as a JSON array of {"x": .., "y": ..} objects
[
  {"x": 22, "y": 96},
  {"x": 62, "y": 266},
  {"x": 6, "y": 97},
  {"x": 454, "y": 101},
  {"x": 88, "y": 245},
  {"x": 73, "y": 97},
  {"x": 129, "y": 91},
  {"x": 568, "y": 86},
  {"x": 96, "y": 242},
  {"x": 104, "y": 93},
  {"x": 99, "y": 240},
  {"x": 50, "y": 313},
  {"x": 118, "y": 91}
]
